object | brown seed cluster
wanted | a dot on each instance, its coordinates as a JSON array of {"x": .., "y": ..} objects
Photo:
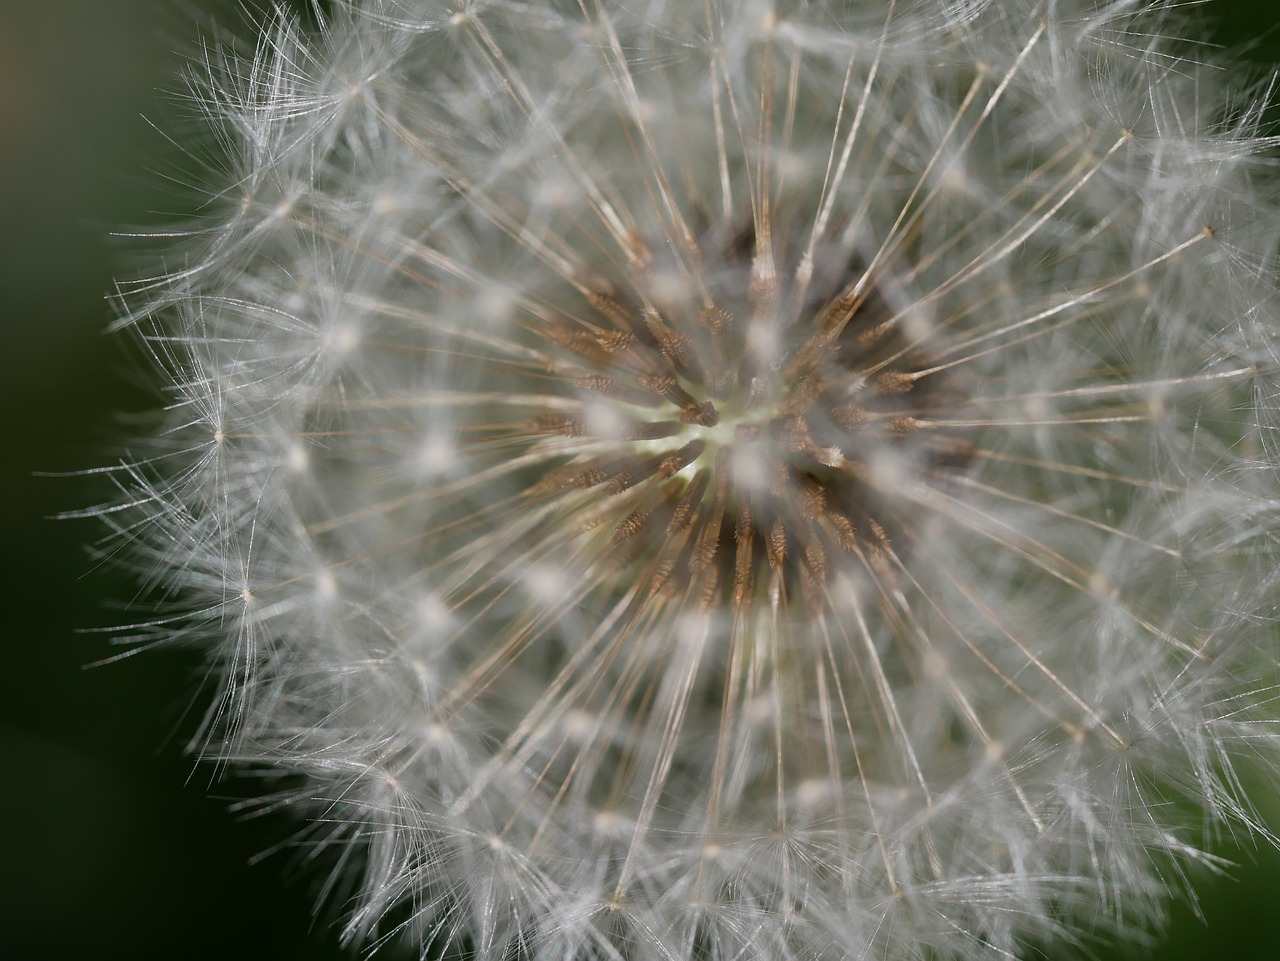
[{"x": 730, "y": 438}]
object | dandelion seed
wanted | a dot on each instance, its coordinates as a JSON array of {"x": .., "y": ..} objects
[{"x": 724, "y": 478}]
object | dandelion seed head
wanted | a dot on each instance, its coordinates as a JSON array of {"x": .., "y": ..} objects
[{"x": 686, "y": 480}]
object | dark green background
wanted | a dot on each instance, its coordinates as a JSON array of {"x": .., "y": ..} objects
[{"x": 111, "y": 844}]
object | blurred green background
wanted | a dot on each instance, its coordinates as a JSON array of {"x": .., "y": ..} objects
[{"x": 112, "y": 844}]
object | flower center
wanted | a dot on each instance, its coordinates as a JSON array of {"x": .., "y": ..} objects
[{"x": 738, "y": 449}]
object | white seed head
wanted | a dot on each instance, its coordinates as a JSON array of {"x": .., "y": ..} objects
[{"x": 694, "y": 480}]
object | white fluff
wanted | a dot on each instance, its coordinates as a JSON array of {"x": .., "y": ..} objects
[{"x": 1018, "y": 628}]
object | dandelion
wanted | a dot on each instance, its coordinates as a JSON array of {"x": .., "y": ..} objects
[{"x": 738, "y": 478}]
